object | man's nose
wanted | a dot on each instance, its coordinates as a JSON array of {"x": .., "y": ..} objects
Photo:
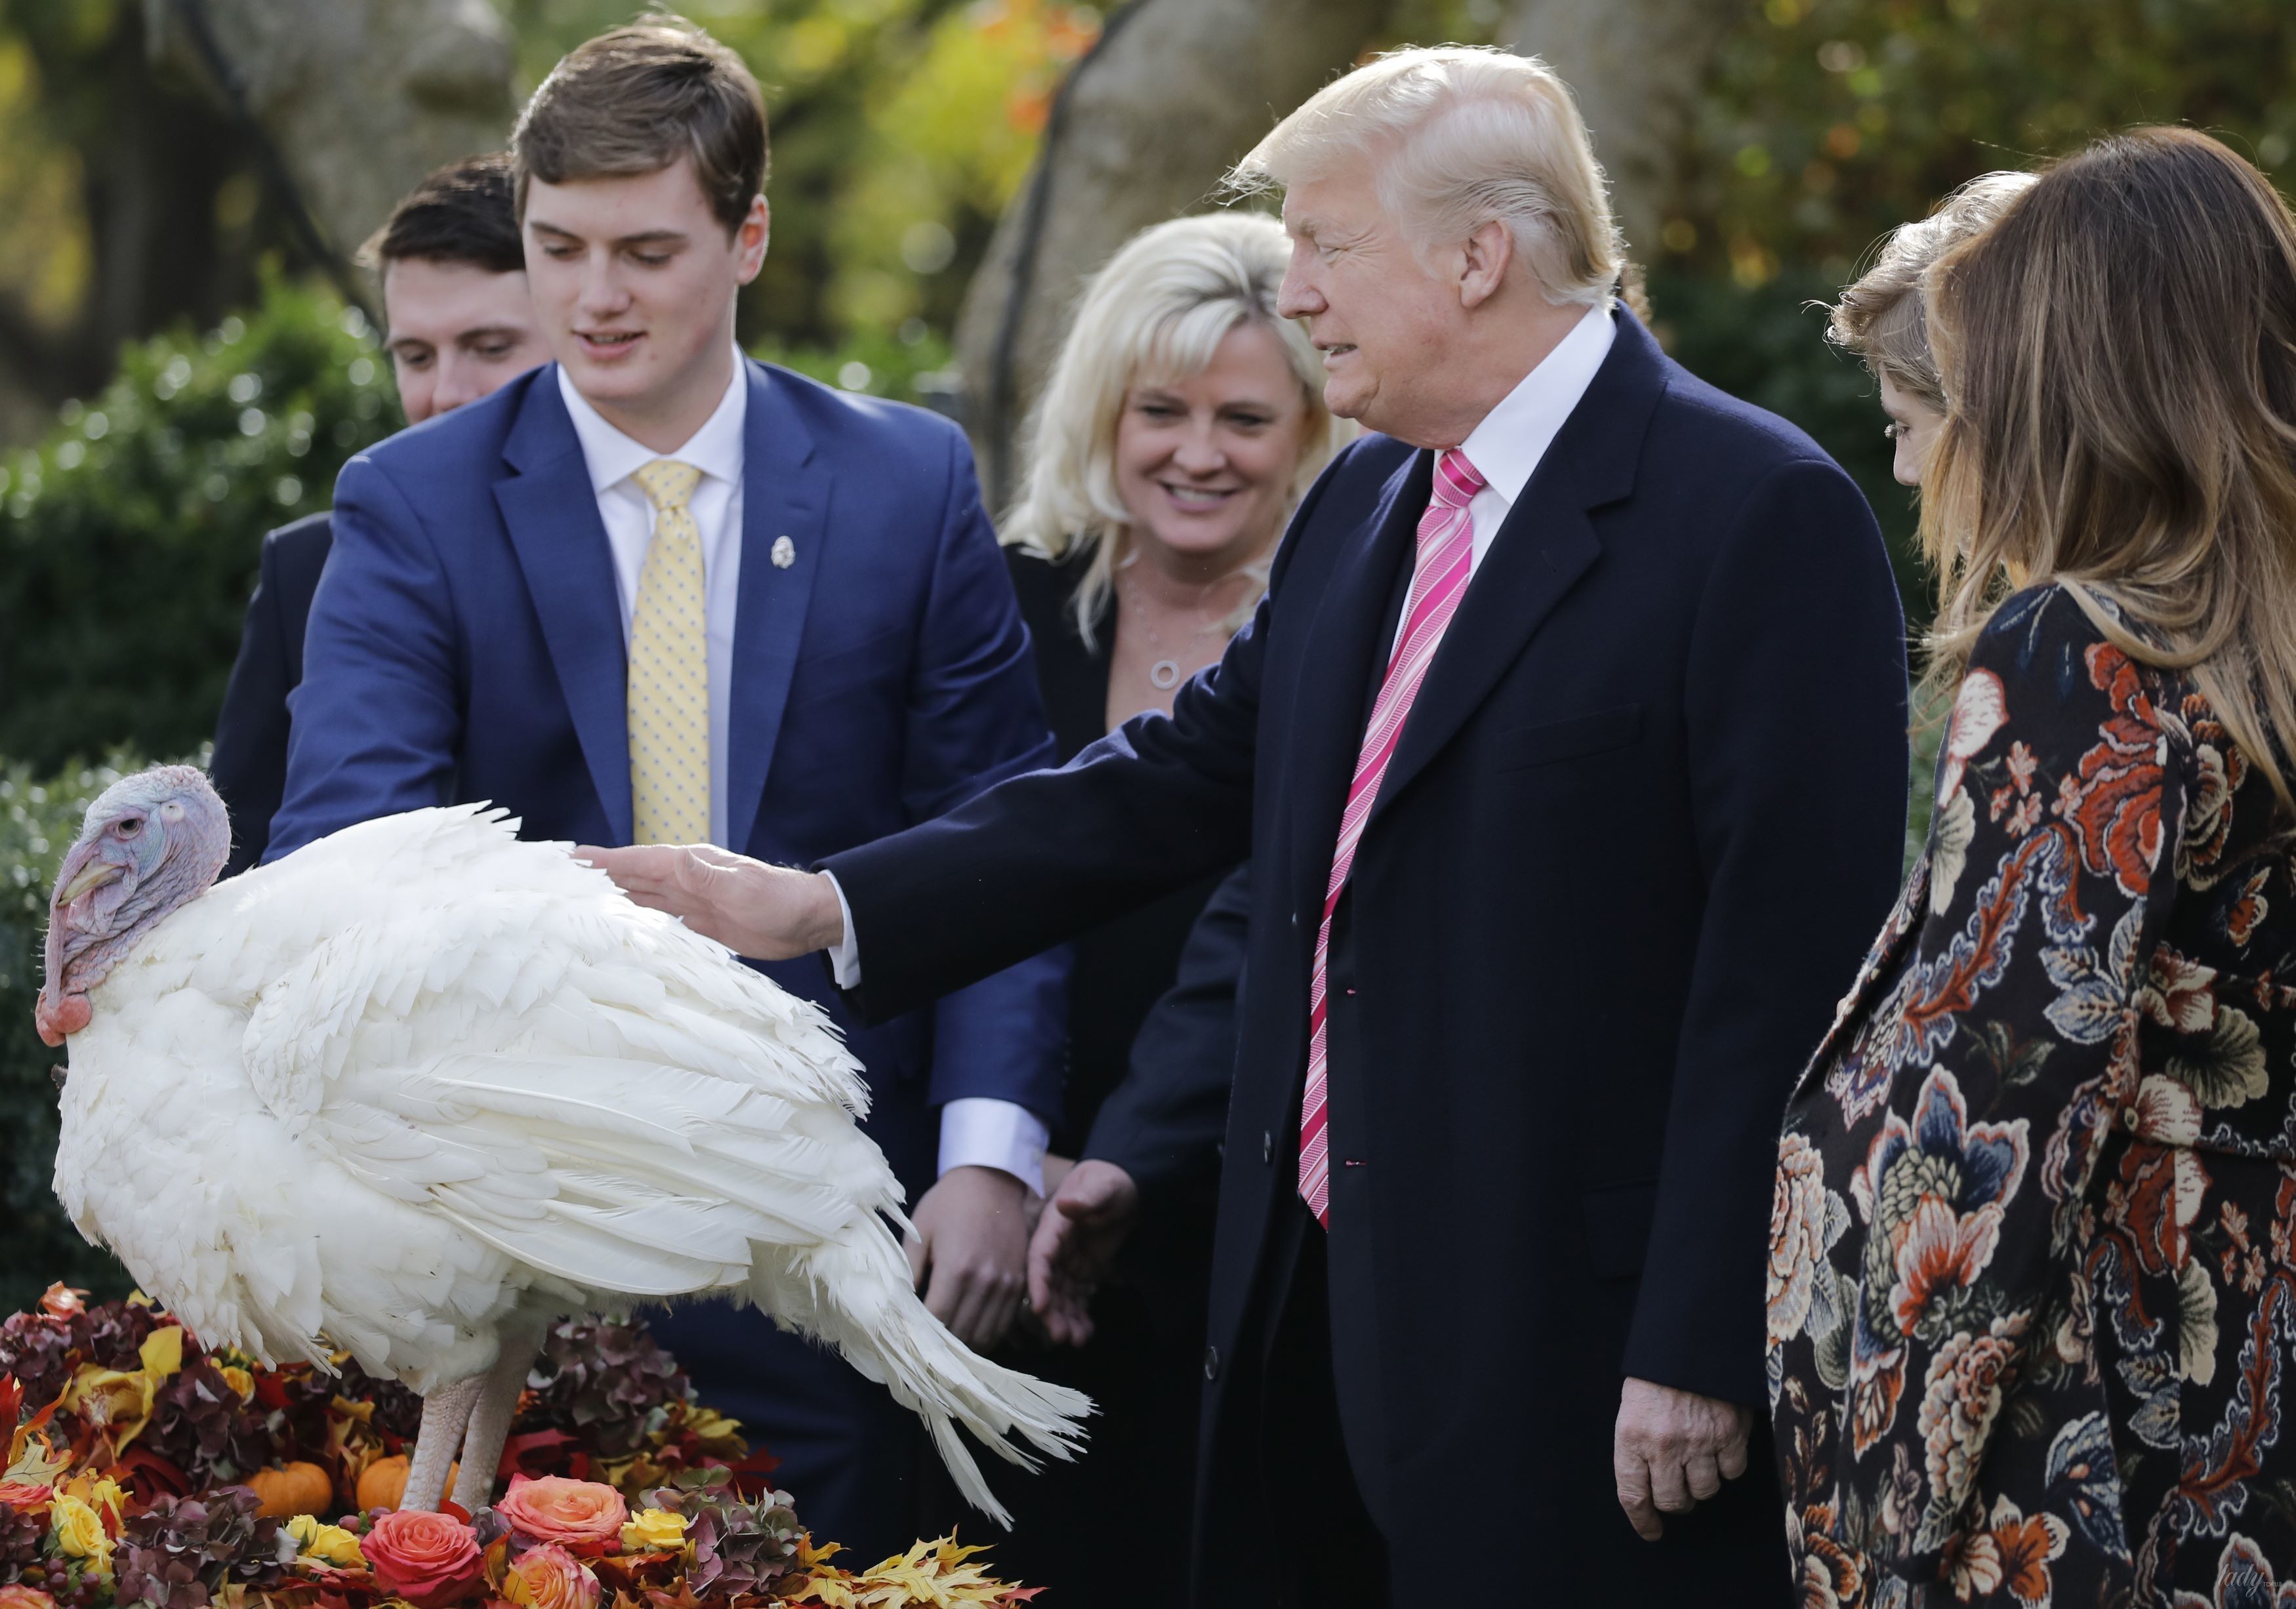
[
  {"x": 1298, "y": 297},
  {"x": 603, "y": 291},
  {"x": 459, "y": 382}
]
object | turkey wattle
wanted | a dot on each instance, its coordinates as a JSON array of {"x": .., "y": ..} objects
[{"x": 422, "y": 1088}]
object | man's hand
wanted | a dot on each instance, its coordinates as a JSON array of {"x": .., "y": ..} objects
[
  {"x": 1673, "y": 1450},
  {"x": 769, "y": 911},
  {"x": 972, "y": 1238},
  {"x": 1083, "y": 1227}
]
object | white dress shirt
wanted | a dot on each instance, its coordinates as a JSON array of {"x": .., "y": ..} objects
[
  {"x": 1505, "y": 449},
  {"x": 974, "y": 1130}
]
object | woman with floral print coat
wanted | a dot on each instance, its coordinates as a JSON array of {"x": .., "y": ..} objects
[{"x": 2032, "y": 1280}]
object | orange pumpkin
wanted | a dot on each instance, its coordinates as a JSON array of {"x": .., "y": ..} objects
[
  {"x": 384, "y": 1482},
  {"x": 296, "y": 1488}
]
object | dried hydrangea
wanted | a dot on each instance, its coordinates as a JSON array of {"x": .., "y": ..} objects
[
  {"x": 607, "y": 1383},
  {"x": 202, "y": 1427},
  {"x": 740, "y": 1547},
  {"x": 180, "y": 1551},
  {"x": 20, "y": 1542}
]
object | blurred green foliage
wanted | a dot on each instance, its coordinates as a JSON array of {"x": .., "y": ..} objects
[
  {"x": 39, "y": 817},
  {"x": 128, "y": 539},
  {"x": 1827, "y": 122}
]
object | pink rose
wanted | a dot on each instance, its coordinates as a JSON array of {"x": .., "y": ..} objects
[
  {"x": 428, "y": 1559},
  {"x": 548, "y": 1577},
  {"x": 25, "y": 1597},
  {"x": 25, "y": 1497},
  {"x": 580, "y": 1514}
]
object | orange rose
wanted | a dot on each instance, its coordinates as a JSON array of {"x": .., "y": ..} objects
[
  {"x": 580, "y": 1514},
  {"x": 25, "y": 1597},
  {"x": 428, "y": 1559},
  {"x": 548, "y": 1577},
  {"x": 25, "y": 1497}
]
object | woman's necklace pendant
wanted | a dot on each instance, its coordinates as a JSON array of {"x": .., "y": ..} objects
[{"x": 1164, "y": 675}]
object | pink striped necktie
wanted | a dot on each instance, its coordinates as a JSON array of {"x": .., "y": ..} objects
[{"x": 1446, "y": 546}]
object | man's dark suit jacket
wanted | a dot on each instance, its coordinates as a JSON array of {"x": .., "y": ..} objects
[
  {"x": 249, "y": 767},
  {"x": 1644, "y": 816}
]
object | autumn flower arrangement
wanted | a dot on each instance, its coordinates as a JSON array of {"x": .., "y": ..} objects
[{"x": 143, "y": 1469}]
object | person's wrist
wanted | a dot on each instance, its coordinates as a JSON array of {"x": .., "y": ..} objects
[{"x": 823, "y": 923}]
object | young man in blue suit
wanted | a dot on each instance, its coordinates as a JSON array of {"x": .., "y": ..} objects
[
  {"x": 460, "y": 325},
  {"x": 655, "y": 591}
]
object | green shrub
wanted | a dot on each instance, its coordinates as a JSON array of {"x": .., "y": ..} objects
[
  {"x": 129, "y": 541},
  {"x": 39, "y": 817}
]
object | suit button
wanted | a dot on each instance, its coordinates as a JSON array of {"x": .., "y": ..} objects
[
  {"x": 1211, "y": 1363},
  {"x": 1295, "y": 919},
  {"x": 1268, "y": 1145}
]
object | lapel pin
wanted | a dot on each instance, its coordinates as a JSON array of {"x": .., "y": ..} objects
[{"x": 784, "y": 553}]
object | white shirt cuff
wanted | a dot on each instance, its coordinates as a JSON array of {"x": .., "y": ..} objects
[
  {"x": 978, "y": 1131},
  {"x": 845, "y": 955}
]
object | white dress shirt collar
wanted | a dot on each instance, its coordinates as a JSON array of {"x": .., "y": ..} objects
[
  {"x": 1514, "y": 435},
  {"x": 714, "y": 450}
]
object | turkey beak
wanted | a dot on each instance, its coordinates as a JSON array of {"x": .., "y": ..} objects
[{"x": 92, "y": 876}]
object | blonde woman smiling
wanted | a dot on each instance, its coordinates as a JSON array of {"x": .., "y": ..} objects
[{"x": 1182, "y": 421}]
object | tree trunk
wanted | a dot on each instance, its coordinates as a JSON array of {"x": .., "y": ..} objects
[
  {"x": 1636, "y": 67},
  {"x": 1174, "y": 93},
  {"x": 358, "y": 98}
]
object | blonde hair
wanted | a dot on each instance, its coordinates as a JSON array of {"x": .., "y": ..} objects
[
  {"x": 1159, "y": 309},
  {"x": 2120, "y": 350},
  {"x": 1880, "y": 317},
  {"x": 1462, "y": 135}
]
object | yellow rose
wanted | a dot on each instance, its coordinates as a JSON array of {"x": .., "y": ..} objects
[
  {"x": 79, "y": 1531},
  {"x": 328, "y": 1543},
  {"x": 654, "y": 1530}
]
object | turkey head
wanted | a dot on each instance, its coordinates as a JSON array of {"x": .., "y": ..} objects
[{"x": 151, "y": 842}]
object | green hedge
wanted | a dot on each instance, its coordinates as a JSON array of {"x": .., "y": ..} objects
[
  {"x": 38, "y": 820},
  {"x": 129, "y": 541}
]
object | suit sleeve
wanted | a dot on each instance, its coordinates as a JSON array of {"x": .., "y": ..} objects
[
  {"x": 250, "y": 766},
  {"x": 376, "y": 722},
  {"x": 1163, "y": 1124},
  {"x": 1795, "y": 710},
  {"x": 975, "y": 718},
  {"x": 1156, "y": 804}
]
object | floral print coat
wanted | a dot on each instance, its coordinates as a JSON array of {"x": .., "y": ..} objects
[{"x": 2032, "y": 1274}]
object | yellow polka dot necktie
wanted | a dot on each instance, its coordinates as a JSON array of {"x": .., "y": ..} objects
[{"x": 670, "y": 669}]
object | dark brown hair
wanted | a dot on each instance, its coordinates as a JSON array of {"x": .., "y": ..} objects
[
  {"x": 460, "y": 214},
  {"x": 633, "y": 101},
  {"x": 2121, "y": 351}
]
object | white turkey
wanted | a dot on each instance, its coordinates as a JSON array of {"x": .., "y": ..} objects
[{"x": 420, "y": 1088}]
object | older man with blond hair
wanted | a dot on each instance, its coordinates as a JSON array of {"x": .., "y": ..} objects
[{"x": 1568, "y": 747}]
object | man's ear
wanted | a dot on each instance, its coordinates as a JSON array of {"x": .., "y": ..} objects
[
  {"x": 1483, "y": 262},
  {"x": 754, "y": 237}
]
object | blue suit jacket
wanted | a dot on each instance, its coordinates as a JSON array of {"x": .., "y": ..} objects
[{"x": 465, "y": 642}]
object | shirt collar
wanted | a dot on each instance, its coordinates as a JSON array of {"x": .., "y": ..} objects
[
  {"x": 1506, "y": 447},
  {"x": 715, "y": 449}
]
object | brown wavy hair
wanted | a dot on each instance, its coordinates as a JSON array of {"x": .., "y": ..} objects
[{"x": 2119, "y": 354}]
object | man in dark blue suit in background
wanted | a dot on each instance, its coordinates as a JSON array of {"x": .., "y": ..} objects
[
  {"x": 1569, "y": 750},
  {"x": 657, "y": 589},
  {"x": 460, "y": 325}
]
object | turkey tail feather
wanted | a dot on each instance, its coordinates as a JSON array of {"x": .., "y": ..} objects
[{"x": 853, "y": 1292}]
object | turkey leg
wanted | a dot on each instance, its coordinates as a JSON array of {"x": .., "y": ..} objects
[
  {"x": 445, "y": 1412},
  {"x": 496, "y": 1405}
]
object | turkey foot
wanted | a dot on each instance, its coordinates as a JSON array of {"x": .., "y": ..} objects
[
  {"x": 445, "y": 1412},
  {"x": 495, "y": 1407}
]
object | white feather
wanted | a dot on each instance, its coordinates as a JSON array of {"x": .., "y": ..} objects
[{"x": 420, "y": 1082}]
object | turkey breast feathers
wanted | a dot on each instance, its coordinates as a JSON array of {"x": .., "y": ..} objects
[{"x": 420, "y": 1082}]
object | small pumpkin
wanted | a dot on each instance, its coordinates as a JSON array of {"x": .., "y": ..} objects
[
  {"x": 384, "y": 1482},
  {"x": 293, "y": 1489}
]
